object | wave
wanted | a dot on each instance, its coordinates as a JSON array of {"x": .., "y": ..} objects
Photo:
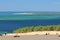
[{"x": 23, "y": 13}]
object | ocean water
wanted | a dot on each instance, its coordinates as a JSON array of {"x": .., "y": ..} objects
[{"x": 10, "y": 21}]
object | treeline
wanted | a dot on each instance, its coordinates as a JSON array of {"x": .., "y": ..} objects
[{"x": 37, "y": 28}]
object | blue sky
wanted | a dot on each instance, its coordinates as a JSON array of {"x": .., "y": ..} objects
[{"x": 29, "y": 5}]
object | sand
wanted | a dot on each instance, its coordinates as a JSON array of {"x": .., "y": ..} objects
[
  {"x": 32, "y": 36},
  {"x": 34, "y": 33}
]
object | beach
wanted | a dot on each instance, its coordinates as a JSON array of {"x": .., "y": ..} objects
[
  {"x": 37, "y": 32},
  {"x": 33, "y": 36}
]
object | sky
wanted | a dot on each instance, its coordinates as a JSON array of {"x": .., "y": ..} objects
[{"x": 29, "y": 5}]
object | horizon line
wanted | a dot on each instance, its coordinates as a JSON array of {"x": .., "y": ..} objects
[{"x": 29, "y": 11}]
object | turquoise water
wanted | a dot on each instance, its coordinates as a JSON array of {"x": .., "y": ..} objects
[{"x": 29, "y": 16}]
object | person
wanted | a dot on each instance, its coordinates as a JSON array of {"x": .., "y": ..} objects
[
  {"x": 46, "y": 34},
  {"x": 5, "y": 33},
  {"x": 16, "y": 35}
]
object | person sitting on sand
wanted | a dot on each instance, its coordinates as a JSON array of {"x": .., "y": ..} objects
[{"x": 47, "y": 33}]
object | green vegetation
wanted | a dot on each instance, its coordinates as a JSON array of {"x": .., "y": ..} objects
[{"x": 37, "y": 28}]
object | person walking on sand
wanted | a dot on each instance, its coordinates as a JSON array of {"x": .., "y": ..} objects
[{"x": 5, "y": 33}]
